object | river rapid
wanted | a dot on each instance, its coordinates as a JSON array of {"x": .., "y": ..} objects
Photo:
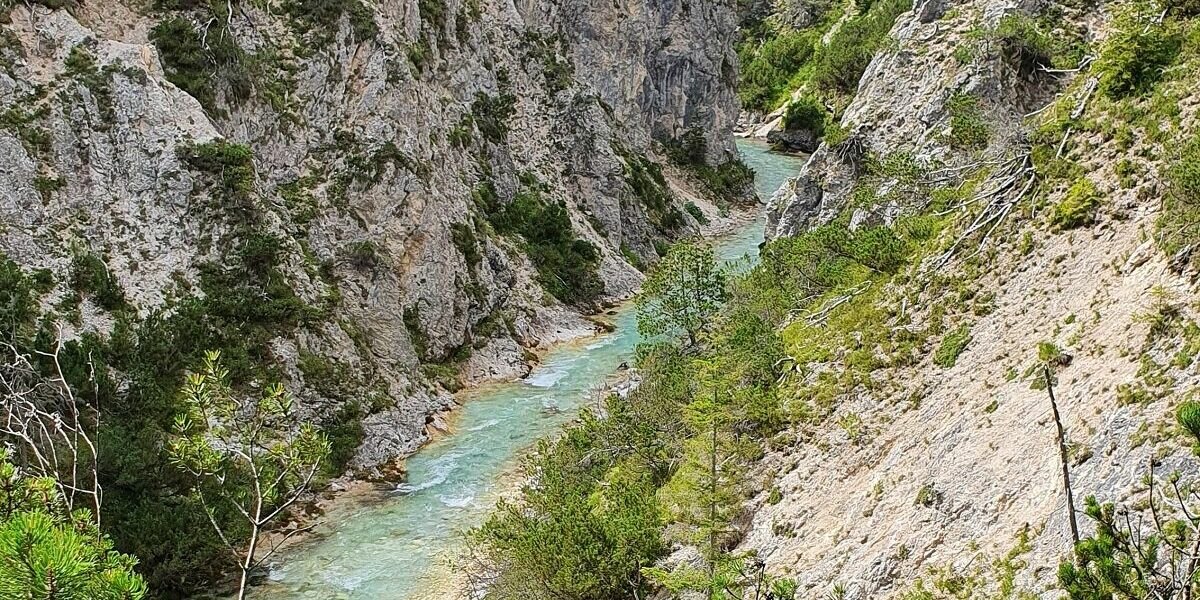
[{"x": 399, "y": 545}]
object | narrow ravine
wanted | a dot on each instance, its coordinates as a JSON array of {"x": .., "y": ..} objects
[{"x": 399, "y": 547}]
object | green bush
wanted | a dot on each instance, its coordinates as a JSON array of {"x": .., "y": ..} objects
[
  {"x": 491, "y": 114},
  {"x": 1078, "y": 207},
  {"x": 807, "y": 114},
  {"x": 321, "y": 19},
  {"x": 839, "y": 64},
  {"x": 567, "y": 266},
  {"x": 767, "y": 68},
  {"x": 1179, "y": 223},
  {"x": 1135, "y": 53},
  {"x": 463, "y": 236},
  {"x": 1184, "y": 8},
  {"x": 1188, "y": 416},
  {"x": 952, "y": 346},
  {"x": 19, "y": 293},
  {"x": 696, "y": 213},
  {"x": 1028, "y": 45},
  {"x": 968, "y": 128},
  {"x": 363, "y": 255},
  {"x": 433, "y": 12},
  {"x": 90, "y": 276},
  {"x": 228, "y": 170},
  {"x": 646, "y": 179},
  {"x": 199, "y": 65}
]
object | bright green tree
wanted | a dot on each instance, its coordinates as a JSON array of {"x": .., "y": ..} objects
[
  {"x": 249, "y": 456},
  {"x": 1131, "y": 558},
  {"x": 683, "y": 292},
  {"x": 50, "y": 553}
]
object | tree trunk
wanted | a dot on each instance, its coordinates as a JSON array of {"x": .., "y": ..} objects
[{"x": 1062, "y": 455}]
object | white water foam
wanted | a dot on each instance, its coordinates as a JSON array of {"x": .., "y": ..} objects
[{"x": 440, "y": 470}]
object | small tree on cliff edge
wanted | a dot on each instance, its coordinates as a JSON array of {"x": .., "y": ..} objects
[
  {"x": 1150, "y": 550},
  {"x": 683, "y": 292},
  {"x": 250, "y": 458}
]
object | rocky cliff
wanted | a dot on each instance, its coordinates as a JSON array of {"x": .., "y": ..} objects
[
  {"x": 375, "y": 202},
  {"x": 1050, "y": 164}
]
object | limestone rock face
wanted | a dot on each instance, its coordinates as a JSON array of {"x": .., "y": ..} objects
[
  {"x": 902, "y": 105},
  {"x": 377, "y": 140}
]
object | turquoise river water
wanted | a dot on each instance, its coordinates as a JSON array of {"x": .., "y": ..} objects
[{"x": 399, "y": 545}]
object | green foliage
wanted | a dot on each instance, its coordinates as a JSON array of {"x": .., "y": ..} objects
[
  {"x": 321, "y": 19},
  {"x": 463, "y": 236},
  {"x": 433, "y": 12},
  {"x": 952, "y": 346},
  {"x": 567, "y": 266},
  {"x": 1183, "y": 8},
  {"x": 363, "y": 255},
  {"x": 646, "y": 179},
  {"x": 90, "y": 276},
  {"x": 1136, "y": 52},
  {"x": 1179, "y": 224},
  {"x": 49, "y": 552},
  {"x": 1112, "y": 564},
  {"x": 767, "y": 68},
  {"x": 252, "y": 456},
  {"x": 1078, "y": 207},
  {"x": 19, "y": 294},
  {"x": 202, "y": 65},
  {"x": 227, "y": 169},
  {"x": 491, "y": 113},
  {"x": 729, "y": 180},
  {"x": 588, "y": 520},
  {"x": 682, "y": 293},
  {"x": 839, "y": 64},
  {"x": 416, "y": 333},
  {"x": 1188, "y": 416},
  {"x": 696, "y": 213},
  {"x": 968, "y": 127},
  {"x": 807, "y": 114},
  {"x": 1028, "y": 44}
]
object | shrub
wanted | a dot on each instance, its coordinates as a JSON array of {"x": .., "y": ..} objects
[
  {"x": 321, "y": 19},
  {"x": 766, "y": 69},
  {"x": 463, "y": 237},
  {"x": 1135, "y": 54},
  {"x": 1028, "y": 46},
  {"x": 1078, "y": 207},
  {"x": 491, "y": 114},
  {"x": 696, "y": 213},
  {"x": 363, "y": 255},
  {"x": 1188, "y": 416},
  {"x": 416, "y": 334},
  {"x": 90, "y": 276},
  {"x": 1184, "y": 8},
  {"x": 228, "y": 168},
  {"x": 48, "y": 551},
  {"x": 839, "y": 64},
  {"x": 433, "y": 12},
  {"x": 1179, "y": 223},
  {"x": 952, "y": 346},
  {"x": 807, "y": 114},
  {"x": 200, "y": 65},
  {"x": 968, "y": 128},
  {"x": 19, "y": 293}
]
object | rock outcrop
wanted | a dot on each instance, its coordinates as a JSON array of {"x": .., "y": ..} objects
[{"x": 903, "y": 105}]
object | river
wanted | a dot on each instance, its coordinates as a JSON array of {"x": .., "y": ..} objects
[{"x": 398, "y": 546}]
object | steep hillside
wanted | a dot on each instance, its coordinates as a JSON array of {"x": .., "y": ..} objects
[
  {"x": 376, "y": 204},
  {"x": 1043, "y": 153}
]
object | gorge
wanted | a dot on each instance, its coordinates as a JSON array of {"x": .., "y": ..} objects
[
  {"x": 402, "y": 545},
  {"x": 452, "y": 283}
]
